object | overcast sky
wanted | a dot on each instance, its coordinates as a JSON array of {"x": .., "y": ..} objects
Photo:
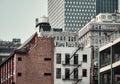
[{"x": 17, "y": 18}]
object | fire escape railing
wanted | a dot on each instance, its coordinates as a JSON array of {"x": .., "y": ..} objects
[{"x": 79, "y": 64}]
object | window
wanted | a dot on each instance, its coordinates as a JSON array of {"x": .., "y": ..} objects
[
  {"x": 58, "y": 58},
  {"x": 47, "y": 59},
  {"x": 67, "y": 73},
  {"x": 103, "y": 16},
  {"x": 69, "y": 38},
  {"x": 67, "y": 58},
  {"x": 84, "y": 58},
  {"x": 19, "y": 58},
  {"x": 47, "y": 74},
  {"x": 61, "y": 38},
  {"x": 75, "y": 73},
  {"x": 57, "y": 37},
  {"x": 84, "y": 72},
  {"x": 74, "y": 38},
  {"x": 76, "y": 59},
  {"x": 64, "y": 38},
  {"x": 19, "y": 74},
  {"x": 58, "y": 73}
]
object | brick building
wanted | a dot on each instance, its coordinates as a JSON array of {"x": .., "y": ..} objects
[
  {"x": 72, "y": 62},
  {"x": 31, "y": 63}
]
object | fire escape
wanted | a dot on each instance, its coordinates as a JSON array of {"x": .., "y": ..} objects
[{"x": 73, "y": 75}]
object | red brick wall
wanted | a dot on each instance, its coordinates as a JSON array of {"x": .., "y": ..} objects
[
  {"x": 33, "y": 66},
  {"x": 6, "y": 71}
]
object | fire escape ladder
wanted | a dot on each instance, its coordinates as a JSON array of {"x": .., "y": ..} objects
[
  {"x": 74, "y": 53},
  {"x": 71, "y": 72},
  {"x": 75, "y": 69},
  {"x": 77, "y": 81},
  {"x": 80, "y": 46}
]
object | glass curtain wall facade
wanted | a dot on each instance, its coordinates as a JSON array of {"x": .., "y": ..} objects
[
  {"x": 106, "y": 6},
  {"x": 118, "y": 5},
  {"x": 56, "y": 13},
  {"x": 71, "y": 15},
  {"x": 78, "y": 13}
]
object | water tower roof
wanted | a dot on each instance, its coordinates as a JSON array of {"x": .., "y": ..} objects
[{"x": 44, "y": 19}]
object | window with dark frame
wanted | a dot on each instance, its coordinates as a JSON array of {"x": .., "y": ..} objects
[
  {"x": 67, "y": 58},
  {"x": 84, "y": 72},
  {"x": 75, "y": 73},
  {"x": 76, "y": 59},
  {"x": 47, "y": 74},
  {"x": 58, "y": 58},
  {"x": 19, "y": 74},
  {"x": 57, "y": 37},
  {"x": 47, "y": 59},
  {"x": 19, "y": 58},
  {"x": 58, "y": 73},
  {"x": 67, "y": 73},
  {"x": 61, "y": 38},
  {"x": 84, "y": 58}
]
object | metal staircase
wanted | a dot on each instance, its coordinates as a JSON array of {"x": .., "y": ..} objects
[
  {"x": 72, "y": 76},
  {"x": 76, "y": 80}
]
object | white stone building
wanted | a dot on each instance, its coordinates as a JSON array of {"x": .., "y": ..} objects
[
  {"x": 94, "y": 32},
  {"x": 72, "y": 62},
  {"x": 109, "y": 55},
  {"x": 93, "y": 35}
]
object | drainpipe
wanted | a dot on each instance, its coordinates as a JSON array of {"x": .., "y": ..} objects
[
  {"x": 98, "y": 67},
  {"x": 111, "y": 54},
  {"x": 98, "y": 53}
]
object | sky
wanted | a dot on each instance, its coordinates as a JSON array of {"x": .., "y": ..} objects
[{"x": 17, "y": 18}]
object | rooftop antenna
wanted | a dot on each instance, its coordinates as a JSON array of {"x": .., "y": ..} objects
[{"x": 36, "y": 21}]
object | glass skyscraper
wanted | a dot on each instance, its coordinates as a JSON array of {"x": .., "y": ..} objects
[
  {"x": 118, "y": 5},
  {"x": 106, "y": 6},
  {"x": 71, "y": 15}
]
